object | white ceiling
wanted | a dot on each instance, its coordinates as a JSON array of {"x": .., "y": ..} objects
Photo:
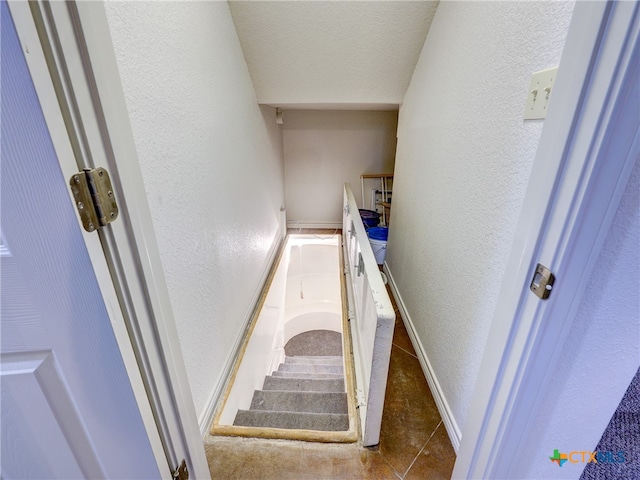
[{"x": 332, "y": 54}]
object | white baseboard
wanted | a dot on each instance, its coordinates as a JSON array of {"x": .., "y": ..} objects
[
  {"x": 294, "y": 224},
  {"x": 206, "y": 416},
  {"x": 448, "y": 419}
]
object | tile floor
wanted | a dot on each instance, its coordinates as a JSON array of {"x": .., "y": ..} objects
[{"x": 413, "y": 441}]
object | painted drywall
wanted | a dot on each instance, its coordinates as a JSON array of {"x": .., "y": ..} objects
[
  {"x": 600, "y": 356},
  {"x": 325, "y": 149},
  {"x": 212, "y": 163},
  {"x": 462, "y": 166},
  {"x": 340, "y": 52}
]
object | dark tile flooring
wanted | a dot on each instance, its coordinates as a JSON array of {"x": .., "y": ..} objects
[{"x": 413, "y": 441}]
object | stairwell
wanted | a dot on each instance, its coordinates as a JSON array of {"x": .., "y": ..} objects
[{"x": 305, "y": 393}]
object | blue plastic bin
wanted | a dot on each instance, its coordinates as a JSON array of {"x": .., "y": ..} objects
[
  {"x": 378, "y": 240},
  {"x": 369, "y": 218}
]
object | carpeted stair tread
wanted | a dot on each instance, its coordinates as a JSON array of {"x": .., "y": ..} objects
[
  {"x": 307, "y": 392},
  {"x": 303, "y": 385},
  {"x": 311, "y": 368},
  {"x": 324, "y": 360},
  {"x": 293, "y": 420},
  {"x": 316, "y": 376},
  {"x": 310, "y": 402}
]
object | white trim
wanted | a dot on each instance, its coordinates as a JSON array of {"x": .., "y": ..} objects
[
  {"x": 205, "y": 419},
  {"x": 587, "y": 150},
  {"x": 322, "y": 225},
  {"x": 134, "y": 247},
  {"x": 85, "y": 60},
  {"x": 30, "y": 42},
  {"x": 453, "y": 430},
  {"x": 4, "y": 249}
]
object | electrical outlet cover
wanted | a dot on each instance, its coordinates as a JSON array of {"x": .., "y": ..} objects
[{"x": 540, "y": 91}]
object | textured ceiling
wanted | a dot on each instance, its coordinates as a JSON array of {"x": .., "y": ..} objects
[{"x": 332, "y": 54}]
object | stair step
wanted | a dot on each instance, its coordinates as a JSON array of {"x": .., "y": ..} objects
[
  {"x": 303, "y": 384},
  {"x": 318, "y": 360},
  {"x": 309, "y": 402},
  {"x": 316, "y": 376},
  {"x": 293, "y": 420},
  {"x": 311, "y": 368}
]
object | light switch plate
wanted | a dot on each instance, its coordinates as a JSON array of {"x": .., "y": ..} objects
[{"x": 540, "y": 92}]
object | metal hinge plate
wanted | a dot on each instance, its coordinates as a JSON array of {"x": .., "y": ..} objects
[
  {"x": 181, "y": 473},
  {"x": 542, "y": 282},
  {"x": 94, "y": 198},
  {"x": 360, "y": 266}
]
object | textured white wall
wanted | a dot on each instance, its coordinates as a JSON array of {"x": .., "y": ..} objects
[
  {"x": 462, "y": 167},
  {"x": 601, "y": 354},
  {"x": 325, "y": 149},
  {"x": 212, "y": 165},
  {"x": 338, "y": 52}
]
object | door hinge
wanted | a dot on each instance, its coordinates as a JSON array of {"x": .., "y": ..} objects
[
  {"x": 181, "y": 473},
  {"x": 360, "y": 266},
  {"x": 94, "y": 198},
  {"x": 542, "y": 282}
]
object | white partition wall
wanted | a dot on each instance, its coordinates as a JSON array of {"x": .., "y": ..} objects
[{"x": 372, "y": 320}]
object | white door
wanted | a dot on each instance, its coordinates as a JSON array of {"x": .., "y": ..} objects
[
  {"x": 587, "y": 150},
  {"x": 372, "y": 320},
  {"x": 68, "y": 408}
]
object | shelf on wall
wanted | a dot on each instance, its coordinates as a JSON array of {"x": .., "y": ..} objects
[{"x": 385, "y": 191}]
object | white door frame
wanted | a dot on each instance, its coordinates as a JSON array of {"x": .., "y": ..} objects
[
  {"x": 71, "y": 60},
  {"x": 589, "y": 145}
]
